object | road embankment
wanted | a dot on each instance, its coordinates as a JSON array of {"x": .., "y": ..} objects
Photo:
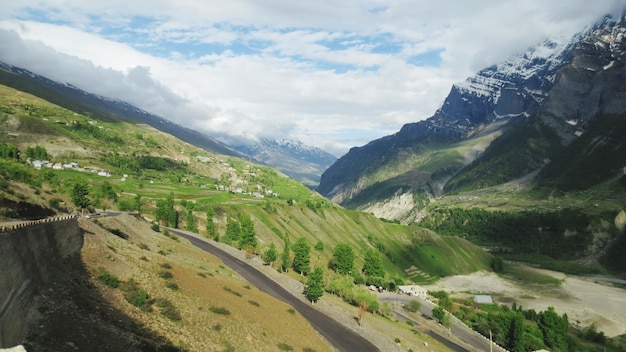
[{"x": 30, "y": 254}]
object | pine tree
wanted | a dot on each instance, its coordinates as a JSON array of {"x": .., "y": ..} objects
[
  {"x": 191, "y": 221},
  {"x": 210, "y": 225},
  {"x": 247, "y": 235},
  {"x": 79, "y": 193},
  {"x": 285, "y": 255}
]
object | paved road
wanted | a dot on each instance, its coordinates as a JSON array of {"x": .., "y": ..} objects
[
  {"x": 457, "y": 329},
  {"x": 338, "y": 335}
]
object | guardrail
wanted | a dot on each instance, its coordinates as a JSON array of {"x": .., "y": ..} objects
[{"x": 13, "y": 227}]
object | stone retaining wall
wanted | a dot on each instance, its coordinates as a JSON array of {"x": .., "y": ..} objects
[{"x": 30, "y": 252}]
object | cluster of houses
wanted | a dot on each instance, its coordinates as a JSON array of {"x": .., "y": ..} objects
[{"x": 40, "y": 164}]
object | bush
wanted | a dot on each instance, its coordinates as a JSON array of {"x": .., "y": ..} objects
[
  {"x": 172, "y": 286},
  {"x": 109, "y": 280},
  {"x": 164, "y": 274},
  {"x": 413, "y": 306},
  {"x": 168, "y": 309},
  {"x": 219, "y": 310},
  {"x": 155, "y": 227}
]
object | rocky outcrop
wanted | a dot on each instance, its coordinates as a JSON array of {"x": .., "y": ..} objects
[{"x": 30, "y": 255}]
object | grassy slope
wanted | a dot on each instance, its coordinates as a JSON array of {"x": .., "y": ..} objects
[
  {"x": 31, "y": 121},
  {"x": 256, "y": 321},
  {"x": 37, "y": 121},
  {"x": 415, "y": 167}
]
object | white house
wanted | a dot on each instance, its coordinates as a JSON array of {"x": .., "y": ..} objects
[{"x": 483, "y": 299}]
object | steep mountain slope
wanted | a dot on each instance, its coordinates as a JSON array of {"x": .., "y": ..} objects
[
  {"x": 565, "y": 84},
  {"x": 192, "y": 301},
  {"x": 578, "y": 133},
  {"x": 295, "y": 159},
  {"x": 77, "y": 100}
]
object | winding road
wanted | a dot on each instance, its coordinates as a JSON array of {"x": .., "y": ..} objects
[{"x": 342, "y": 338}]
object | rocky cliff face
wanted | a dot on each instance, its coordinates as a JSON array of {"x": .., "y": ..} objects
[
  {"x": 592, "y": 84},
  {"x": 508, "y": 91},
  {"x": 566, "y": 84},
  {"x": 29, "y": 257}
]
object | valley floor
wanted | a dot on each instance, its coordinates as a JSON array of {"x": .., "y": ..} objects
[{"x": 585, "y": 300}]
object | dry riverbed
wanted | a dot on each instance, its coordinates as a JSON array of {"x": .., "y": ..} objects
[{"x": 586, "y": 301}]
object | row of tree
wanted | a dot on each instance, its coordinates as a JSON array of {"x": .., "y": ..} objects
[{"x": 8, "y": 151}]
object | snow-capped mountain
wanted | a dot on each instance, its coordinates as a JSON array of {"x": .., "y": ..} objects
[
  {"x": 302, "y": 162},
  {"x": 557, "y": 88}
]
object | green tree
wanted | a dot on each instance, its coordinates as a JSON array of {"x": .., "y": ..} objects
[
  {"x": 343, "y": 259},
  {"x": 517, "y": 341},
  {"x": 79, "y": 193},
  {"x": 270, "y": 255},
  {"x": 37, "y": 152},
  {"x": 247, "y": 235},
  {"x": 302, "y": 256},
  {"x": 284, "y": 257},
  {"x": 496, "y": 264},
  {"x": 191, "y": 221},
  {"x": 9, "y": 152},
  {"x": 165, "y": 212},
  {"x": 137, "y": 202},
  {"x": 440, "y": 314},
  {"x": 413, "y": 306},
  {"x": 365, "y": 300},
  {"x": 373, "y": 263},
  {"x": 554, "y": 329},
  {"x": 341, "y": 286},
  {"x": 233, "y": 231},
  {"x": 210, "y": 225},
  {"x": 106, "y": 191},
  {"x": 315, "y": 285}
]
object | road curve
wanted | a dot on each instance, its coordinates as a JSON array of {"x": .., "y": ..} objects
[{"x": 338, "y": 335}]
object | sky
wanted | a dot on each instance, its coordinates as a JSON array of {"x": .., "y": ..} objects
[{"x": 332, "y": 74}]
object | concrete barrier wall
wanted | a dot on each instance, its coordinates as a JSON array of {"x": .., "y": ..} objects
[{"x": 30, "y": 253}]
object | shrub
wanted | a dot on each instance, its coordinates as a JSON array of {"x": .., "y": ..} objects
[
  {"x": 284, "y": 347},
  {"x": 155, "y": 227},
  {"x": 172, "y": 286},
  {"x": 412, "y": 306},
  {"x": 109, "y": 279},
  {"x": 164, "y": 274},
  {"x": 168, "y": 309},
  {"x": 228, "y": 289},
  {"x": 166, "y": 265},
  {"x": 254, "y": 303},
  {"x": 219, "y": 310}
]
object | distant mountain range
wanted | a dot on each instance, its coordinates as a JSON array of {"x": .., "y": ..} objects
[
  {"x": 302, "y": 162},
  {"x": 295, "y": 159},
  {"x": 557, "y": 108}
]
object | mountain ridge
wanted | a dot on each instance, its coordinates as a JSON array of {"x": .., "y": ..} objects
[
  {"x": 488, "y": 104},
  {"x": 76, "y": 99},
  {"x": 294, "y": 158}
]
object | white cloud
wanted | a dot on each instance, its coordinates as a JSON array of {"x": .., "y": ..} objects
[{"x": 333, "y": 74}]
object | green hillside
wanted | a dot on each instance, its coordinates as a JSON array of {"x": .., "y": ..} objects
[{"x": 146, "y": 167}]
